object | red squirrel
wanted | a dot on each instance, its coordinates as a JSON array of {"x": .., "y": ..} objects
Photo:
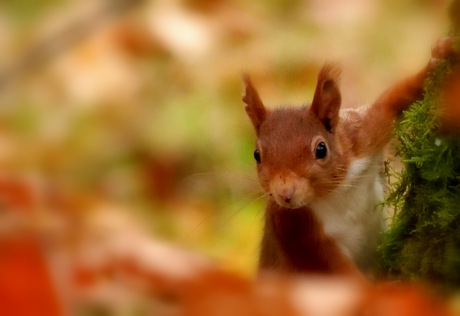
[{"x": 321, "y": 168}]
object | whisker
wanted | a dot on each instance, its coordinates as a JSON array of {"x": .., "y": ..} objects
[
  {"x": 231, "y": 216},
  {"x": 258, "y": 213},
  {"x": 339, "y": 184}
]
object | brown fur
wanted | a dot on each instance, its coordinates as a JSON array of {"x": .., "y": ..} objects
[
  {"x": 294, "y": 240},
  {"x": 285, "y": 145}
]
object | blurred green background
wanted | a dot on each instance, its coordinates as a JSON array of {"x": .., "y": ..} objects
[{"x": 145, "y": 109}]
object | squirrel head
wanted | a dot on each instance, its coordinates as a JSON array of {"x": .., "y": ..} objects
[{"x": 298, "y": 152}]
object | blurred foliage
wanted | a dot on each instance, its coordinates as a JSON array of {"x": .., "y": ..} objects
[{"x": 146, "y": 111}]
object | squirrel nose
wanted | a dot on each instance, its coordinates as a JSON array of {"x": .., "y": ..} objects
[
  {"x": 287, "y": 195},
  {"x": 286, "y": 198}
]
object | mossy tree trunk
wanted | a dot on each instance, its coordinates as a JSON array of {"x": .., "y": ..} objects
[{"x": 424, "y": 238}]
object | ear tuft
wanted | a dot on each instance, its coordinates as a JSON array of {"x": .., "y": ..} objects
[
  {"x": 327, "y": 99},
  {"x": 330, "y": 72},
  {"x": 254, "y": 106}
]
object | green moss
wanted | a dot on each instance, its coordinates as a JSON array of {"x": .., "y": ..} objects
[{"x": 424, "y": 239}]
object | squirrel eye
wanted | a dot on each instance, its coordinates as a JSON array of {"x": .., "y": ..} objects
[
  {"x": 257, "y": 155},
  {"x": 321, "y": 151}
]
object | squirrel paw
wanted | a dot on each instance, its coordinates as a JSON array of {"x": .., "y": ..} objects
[{"x": 444, "y": 48}]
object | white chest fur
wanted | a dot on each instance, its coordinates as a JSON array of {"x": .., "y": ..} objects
[{"x": 352, "y": 215}]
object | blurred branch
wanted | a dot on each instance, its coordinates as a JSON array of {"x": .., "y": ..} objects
[{"x": 77, "y": 31}]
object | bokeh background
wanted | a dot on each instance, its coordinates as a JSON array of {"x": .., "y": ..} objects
[{"x": 137, "y": 104}]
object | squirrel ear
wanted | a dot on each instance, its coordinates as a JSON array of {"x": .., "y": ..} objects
[
  {"x": 327, "y": 99},
  {"x": 254, "y": 106}
]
